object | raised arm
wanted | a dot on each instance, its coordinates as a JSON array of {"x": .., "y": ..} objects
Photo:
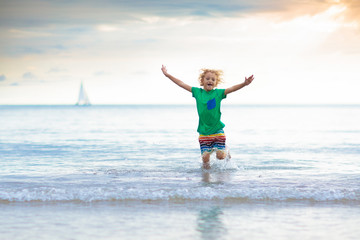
[
  {"x": 239, "y": 86},
  {"x": 175, "y": 80}
]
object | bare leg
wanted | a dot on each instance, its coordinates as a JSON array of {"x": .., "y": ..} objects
[
  {"x": 206, "y": 160},
  {"x": 221, "y": 155}
]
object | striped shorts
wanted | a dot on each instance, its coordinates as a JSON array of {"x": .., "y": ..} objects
[{"x": 209, "y": 143}]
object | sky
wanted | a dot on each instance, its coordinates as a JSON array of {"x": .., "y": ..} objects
[{"x": 300, "y": 51}]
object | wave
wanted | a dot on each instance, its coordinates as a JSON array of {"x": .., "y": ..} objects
[{"x": 204, "y": 193}]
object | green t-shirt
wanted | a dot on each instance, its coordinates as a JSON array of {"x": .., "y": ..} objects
[{"x": 208, "y": 107}]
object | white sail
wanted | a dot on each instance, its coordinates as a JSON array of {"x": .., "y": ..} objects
[{"x": 83, "y": 97}]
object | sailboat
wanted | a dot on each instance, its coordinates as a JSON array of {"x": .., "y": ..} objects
[{"x": 83, "y": 97}]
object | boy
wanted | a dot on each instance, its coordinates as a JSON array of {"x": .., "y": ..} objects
[{"x": 208, "y": 99}]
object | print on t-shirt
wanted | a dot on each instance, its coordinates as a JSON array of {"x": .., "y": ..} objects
[{"x": 211, "y": 104}]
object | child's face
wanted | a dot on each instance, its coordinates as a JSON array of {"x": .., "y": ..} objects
[{"x": 209, "y": 81}]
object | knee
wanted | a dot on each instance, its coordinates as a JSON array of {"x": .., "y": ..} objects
[
  {"x": 220, "y": 155},
  {"x": 206, "y": 157}
]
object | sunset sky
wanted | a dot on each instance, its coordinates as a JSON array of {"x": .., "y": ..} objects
[{"x": 300, "y": 51}]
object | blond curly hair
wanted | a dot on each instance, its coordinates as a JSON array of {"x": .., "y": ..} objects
[{"x": 218, "y": 73}]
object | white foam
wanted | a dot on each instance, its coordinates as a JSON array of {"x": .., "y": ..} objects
[
  {"x": 207, "y": 192},
  {"x": 221, "y": 165}
]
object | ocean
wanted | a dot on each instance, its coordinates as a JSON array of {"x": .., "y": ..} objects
[{"x": 134, "y": 172}]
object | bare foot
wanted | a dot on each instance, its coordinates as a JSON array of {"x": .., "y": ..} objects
[{"x": 206, "y": 165}]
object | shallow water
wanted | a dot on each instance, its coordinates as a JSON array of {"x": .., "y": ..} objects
[
  {"x": 179, "y": 220},
  {"x": 293, "y": 166}
]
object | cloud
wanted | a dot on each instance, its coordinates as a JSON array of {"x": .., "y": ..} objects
[
  {"x": 2, "y": 78},
  {"x": 23, "y": 13},
  {"x": 44, "y": 26},
  {"x": 57, "y": 70},
  {"x": 353, "y": 9},
  {"x": 36, "y": 41},
  {"x": 107, "y": 28},
  {"x": 28, "y": 75},
  {"x": 100, "y": 73}
]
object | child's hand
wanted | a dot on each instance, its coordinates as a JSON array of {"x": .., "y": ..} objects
[
  {"x": 163, "y": 69},
  {"x": 248, "y": 80},
  {"x": 240, "y": 85}
]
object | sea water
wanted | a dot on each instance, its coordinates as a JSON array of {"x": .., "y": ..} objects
[{"x": 134, "y": 172}]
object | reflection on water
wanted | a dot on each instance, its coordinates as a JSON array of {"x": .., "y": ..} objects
[
  {"x": 216, "y": 177},
  {"x": 210, "y": 224}
]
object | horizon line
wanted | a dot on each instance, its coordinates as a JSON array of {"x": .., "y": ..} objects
[{"x": 179, "y": 104}]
